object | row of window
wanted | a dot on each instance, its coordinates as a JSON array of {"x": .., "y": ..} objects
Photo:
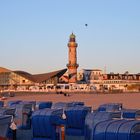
[
  {"x": 125, "y": 77},
  {"x": 113, "y": 82}
]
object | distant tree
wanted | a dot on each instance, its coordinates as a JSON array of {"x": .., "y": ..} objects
[{"x": 126, "y": 73}]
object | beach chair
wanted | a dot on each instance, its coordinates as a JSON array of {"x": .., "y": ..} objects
[
  {"x": 5, "y": 122},
  {"x": 23, "y": 115},
  {"x": 30, "y": 102},
  {"x": 62, "y": 105},
  {"x": 7, "y": 111},
  {"x": 117, "y": 130},
  {"x": 129, "y": 130},
  {"x": 23, "y": 119},
  {"x": 13, "y": 103},
  {"x": 92, "y": 119},
  {"x": 44, "y": 124},
  {"x": 42, "y": 105},
  {"x": 75, "y": 122},
  {"x": 76, "y": 103},
  {"x": 131, "y": 114},
  {"x": 110, "y": 107}
]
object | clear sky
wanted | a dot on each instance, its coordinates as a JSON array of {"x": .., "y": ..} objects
[{"x": 34, "y": 34}]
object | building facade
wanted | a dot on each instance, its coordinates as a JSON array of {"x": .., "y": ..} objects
[{"x": 110, "y": 81}]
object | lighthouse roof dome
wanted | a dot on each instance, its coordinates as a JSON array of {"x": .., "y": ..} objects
[{"x": 72, "y": 36}]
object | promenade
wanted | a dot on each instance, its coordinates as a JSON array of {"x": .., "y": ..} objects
[{"x": 129, "y": 100}]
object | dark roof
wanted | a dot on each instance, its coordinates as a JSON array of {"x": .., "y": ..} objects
[
  {"x": 40, "y": 77},
  {"x": 25, "y": 75},
  {"x": 117, "y": 74},
  {"x": 72, "y": 36},
  {"x": 46, "y": 76}
]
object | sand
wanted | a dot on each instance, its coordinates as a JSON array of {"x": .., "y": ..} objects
[{"x": 131, "y": 100}]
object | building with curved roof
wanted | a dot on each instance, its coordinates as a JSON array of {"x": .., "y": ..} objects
[
  {"x": 4, "y": 70},
  {"x": 12, "y": 79}
]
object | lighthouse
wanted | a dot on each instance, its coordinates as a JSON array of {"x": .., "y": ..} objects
[{"x": 72, "y": 59}]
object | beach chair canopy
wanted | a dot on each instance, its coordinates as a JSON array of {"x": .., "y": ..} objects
[
  {"x": 96, "y": 117},
  {"x": 44, "y": 123},
  {"x": 13, "y": 103},
  {"x": 117, "y": 130},
  {"x": 30, "y": 102},
  {"x": 75, "y": 120}
]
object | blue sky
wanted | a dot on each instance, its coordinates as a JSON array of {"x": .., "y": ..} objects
[{"x": 34, "y": 34}]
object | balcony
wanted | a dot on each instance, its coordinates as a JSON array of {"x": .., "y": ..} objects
[{"x": 73, "y": 65}]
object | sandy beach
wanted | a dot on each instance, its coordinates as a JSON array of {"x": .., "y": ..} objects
[{"x": 129, "y": 100}]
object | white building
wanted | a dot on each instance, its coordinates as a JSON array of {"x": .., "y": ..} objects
[{"x": 111, "y": 81}]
